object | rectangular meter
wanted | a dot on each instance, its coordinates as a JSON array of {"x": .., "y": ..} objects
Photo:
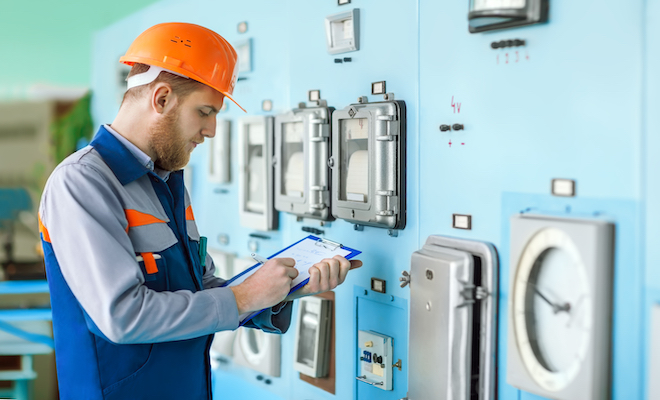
[
  {"x": 255, "y": 194},
  {"x": 313, "y": 336},
  {"x": 302, "y": 149},
  {"x": 219, "y": 160},
  {"x": 368, "y": 164},
  {"x": 486, "y": 15}
]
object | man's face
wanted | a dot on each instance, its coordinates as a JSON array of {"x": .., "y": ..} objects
[{"x": 184, "y": 126}]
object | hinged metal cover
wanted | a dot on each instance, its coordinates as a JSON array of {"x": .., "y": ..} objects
[
  {"x": 302, "y": 150},
  {"x": 368, "y": 173},
  {"x": 453, "y": 299}
]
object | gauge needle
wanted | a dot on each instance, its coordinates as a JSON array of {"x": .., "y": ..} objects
[{"x": 555, "y": 308}]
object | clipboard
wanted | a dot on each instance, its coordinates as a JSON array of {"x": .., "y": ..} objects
[{"x": 307, "y": 252}]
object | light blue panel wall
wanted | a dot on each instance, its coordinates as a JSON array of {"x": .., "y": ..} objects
[{"x": 567, "y": 105}]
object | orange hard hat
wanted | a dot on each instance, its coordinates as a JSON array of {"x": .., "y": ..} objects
[{"x": 189, "y": 50}]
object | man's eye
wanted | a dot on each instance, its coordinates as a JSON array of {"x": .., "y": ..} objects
[{"x": 203, "y": 114}]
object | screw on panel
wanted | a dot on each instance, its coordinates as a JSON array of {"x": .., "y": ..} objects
[
  {"x": 331, "y": 162},
  {"x": 429, "y": 274}
]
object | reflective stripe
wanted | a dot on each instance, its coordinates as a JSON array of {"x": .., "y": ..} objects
[
  {"x": 189, "y": 214},
  {"x": 43, "y": 231},
  {"x": 149, "y": 263},
  {"x": 136, "y": 218}
]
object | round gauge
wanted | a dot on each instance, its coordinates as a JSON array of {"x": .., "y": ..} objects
[{"x": 551, "y": 309}]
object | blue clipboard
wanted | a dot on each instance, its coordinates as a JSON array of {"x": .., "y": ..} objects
[{"x": 306, "y": 251}]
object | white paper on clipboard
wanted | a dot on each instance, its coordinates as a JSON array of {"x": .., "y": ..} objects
[{"x": 306, "y": 252}]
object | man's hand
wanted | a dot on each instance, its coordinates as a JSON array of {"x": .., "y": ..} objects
[
  {"x": 266, "y": 287},
  {"x": 326, "y": 275}
]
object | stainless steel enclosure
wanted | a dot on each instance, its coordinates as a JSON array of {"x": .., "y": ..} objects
[
  {"x": 453, "y": 298},
  {"x": 368, "y": 164},
  {"x": 302, "y": 175}
]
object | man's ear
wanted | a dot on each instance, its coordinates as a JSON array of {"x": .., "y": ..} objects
[{"x": 162, "y": 98}]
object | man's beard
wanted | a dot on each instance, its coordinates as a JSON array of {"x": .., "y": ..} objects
[{"x": 168, "y": 142}]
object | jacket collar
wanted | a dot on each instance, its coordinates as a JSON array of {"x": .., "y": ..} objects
[{"x": 121, "y": 161}]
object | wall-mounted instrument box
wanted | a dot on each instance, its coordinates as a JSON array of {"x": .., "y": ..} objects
[
  {"x": 453, "y": 324},
  {"x": 368, "y": 163},
  {"x": 311, "y": 355},
  {"x": 487, "y": 15},
  {"x": 302, "y": 150},
  {"x": 255, "y": 160},
  {"x": 560, "y": 307},
  {"x": 219, "y": 157}
]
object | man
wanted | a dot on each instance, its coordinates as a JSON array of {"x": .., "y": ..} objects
[{"x": 134, "y": 302}]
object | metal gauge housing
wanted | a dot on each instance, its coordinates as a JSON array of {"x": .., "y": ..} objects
[
  {"x": 486, "y": 15},
  {"x": 255, "y": 158},
  {"x": 368, "y": 164},
  {"x": 302, "y": 175},
  {"x": 560, "y": 307}
]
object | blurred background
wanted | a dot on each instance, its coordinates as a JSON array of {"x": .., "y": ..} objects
[{"x": 45, "y": 72}]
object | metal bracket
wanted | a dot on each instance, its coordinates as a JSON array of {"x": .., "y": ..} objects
[
  {"x": 471, "y": 293},
  {"x": 397, "y": 365},
  {"x": 363, "y": 378}
]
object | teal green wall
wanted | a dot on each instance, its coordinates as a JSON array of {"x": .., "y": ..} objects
[{"x": 50, "y": 42}]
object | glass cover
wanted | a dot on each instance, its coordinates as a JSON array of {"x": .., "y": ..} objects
[
  {"x": 293, "y": 160},
  {"x": 256, "y": 181},
  {"x": 354, "y": 159},
  {"x": 483, "y": 5},
  {"x": 308, "y": 333}
]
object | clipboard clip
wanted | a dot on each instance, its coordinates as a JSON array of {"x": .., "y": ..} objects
[{"x": 328, "y": 244}]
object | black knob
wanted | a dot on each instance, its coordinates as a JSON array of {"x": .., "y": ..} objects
[
  {"x": 495, "y": 45},
  {"x": 445, "y": 128},
  {"x": 458, "y": 127},
  {"x": 518, "y": 42}
]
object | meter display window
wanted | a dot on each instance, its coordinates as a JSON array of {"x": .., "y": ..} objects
[
  {"x": 481, "y": 5},
  {"x": 255, "y": 185},
  {"x": 486, "y": 15},
  {"x": 293, "y": 166},
  {"x": 354, "y": 178}
]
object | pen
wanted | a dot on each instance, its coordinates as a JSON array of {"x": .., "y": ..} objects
[{"x": 258, "y": 258}]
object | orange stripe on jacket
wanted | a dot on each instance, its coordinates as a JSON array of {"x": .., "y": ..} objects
[
  {"x": 189, "y": 214},
  {"x": 136, "y": 218},
  {"x": 149, "y": 263},
  {"x": 43, "y": 231}
]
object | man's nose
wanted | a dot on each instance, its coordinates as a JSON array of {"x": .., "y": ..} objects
[{"x": 209, "y": 130}]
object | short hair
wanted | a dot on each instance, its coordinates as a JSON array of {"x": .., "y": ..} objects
[{"x": 181, "y": 86}]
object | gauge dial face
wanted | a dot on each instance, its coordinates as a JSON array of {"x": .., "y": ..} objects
[{"x": 552, "y": 309}]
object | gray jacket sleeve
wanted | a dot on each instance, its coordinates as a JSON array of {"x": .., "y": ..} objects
[{"x": 87, "y": 227}]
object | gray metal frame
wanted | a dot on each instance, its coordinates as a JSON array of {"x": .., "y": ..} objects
[
  {"x": 315, "y": 202},
  {"x": 386, "y": 201}
]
